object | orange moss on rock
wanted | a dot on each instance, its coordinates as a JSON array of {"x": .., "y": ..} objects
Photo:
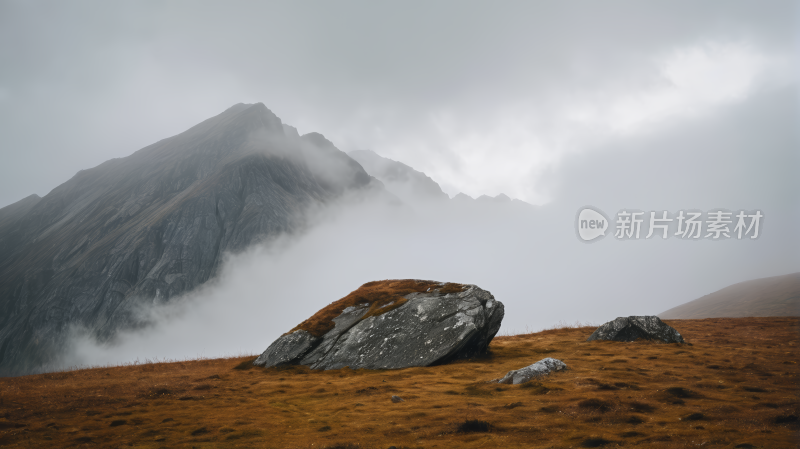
[{"x": 380, "y": 296}]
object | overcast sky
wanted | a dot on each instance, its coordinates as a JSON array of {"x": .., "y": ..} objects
[{"x": 484, "y": 98}]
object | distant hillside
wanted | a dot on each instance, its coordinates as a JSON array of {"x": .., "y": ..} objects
[{"x": 773, "y": 296}]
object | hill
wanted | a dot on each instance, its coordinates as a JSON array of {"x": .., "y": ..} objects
[
  {"x": 772, "y": 296},
  {"x": 735, "y": 385},
  {"x": 148, "y": 227}
]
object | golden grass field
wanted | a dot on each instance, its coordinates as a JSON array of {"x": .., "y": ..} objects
[{"x": 735, "y": 386}]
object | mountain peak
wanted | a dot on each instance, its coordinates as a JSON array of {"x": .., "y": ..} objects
[
  {"x": 154, "y": 225},
  {"x": 501, "y": 198},
  {"x": 317, "y": 139}
]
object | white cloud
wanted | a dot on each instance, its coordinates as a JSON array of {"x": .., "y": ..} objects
[
  {"x": 505, "y": 150},
  {"x": 695, "y": 81}
]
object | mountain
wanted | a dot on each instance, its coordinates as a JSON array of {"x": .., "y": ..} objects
[
  {"x": 765, "y": 297},
  {"x": 153, "y": 225},
  {"x": 408, "y": 184},
  {"x": 502, "y": 200},
  {"x": 416, "y": 187}
]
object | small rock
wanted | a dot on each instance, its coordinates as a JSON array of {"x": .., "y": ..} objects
[
  {"x": 397, "y": 399},
  {"x": 541, "y": 368}
]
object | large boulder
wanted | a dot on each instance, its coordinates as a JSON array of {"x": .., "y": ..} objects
[
  {"x": 390, "y": 325},
  {"x": 633, "y": 328}
]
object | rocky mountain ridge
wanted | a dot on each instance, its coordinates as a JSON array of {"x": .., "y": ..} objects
[{"x": 415, "y": 187}]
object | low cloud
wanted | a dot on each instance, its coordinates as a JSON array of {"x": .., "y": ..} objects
[{"x": 529, "y": 258}]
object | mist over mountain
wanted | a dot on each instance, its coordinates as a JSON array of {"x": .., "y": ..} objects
[
  {"x": 415, "y": 187},
  {"x": 400, "y": 179},
  {"x": 148, "y": 227}
]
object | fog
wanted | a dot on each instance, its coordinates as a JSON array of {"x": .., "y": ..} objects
[{"x": 528, "y": 257}]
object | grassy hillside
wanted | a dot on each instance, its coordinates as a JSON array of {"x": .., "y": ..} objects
[
  {"x": 772, "y": 296},
  {"x": 736, "y": 385}
]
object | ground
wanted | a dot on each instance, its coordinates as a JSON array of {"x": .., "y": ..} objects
[{"x": 735, "y": 385}]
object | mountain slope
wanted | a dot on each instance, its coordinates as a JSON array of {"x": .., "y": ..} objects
[
  {"x": 772, "y": 296},
  {"x": 13, "y": 212},
  {"x": 155, "y": 224}
]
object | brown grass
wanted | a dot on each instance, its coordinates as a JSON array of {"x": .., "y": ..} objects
[
  {"x": 381, "y": 296},
  {"x": 664, "y": 396}
]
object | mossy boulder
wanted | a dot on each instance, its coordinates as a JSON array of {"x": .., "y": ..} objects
[{"x": 390, "y": 325}]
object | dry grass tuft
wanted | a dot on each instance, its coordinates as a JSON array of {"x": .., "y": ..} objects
[
  {"x": 474, "y": 425},
  {"x": 246, "y": 365},
  {"x": 595, "y": 404},
  {"x": 595, "y": 442}
]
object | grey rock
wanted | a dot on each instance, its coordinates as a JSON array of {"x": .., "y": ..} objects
[
  {"x": 539, "y": 369},
  {"x": 348, "y": 318},
  {"x": 633, "y": 328},
  {"x": 397, "y": 399},
  {"x": 286, "y": 348},
  {"x": 146, "y": 228},
  {"x": 429, "y": 328}
]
